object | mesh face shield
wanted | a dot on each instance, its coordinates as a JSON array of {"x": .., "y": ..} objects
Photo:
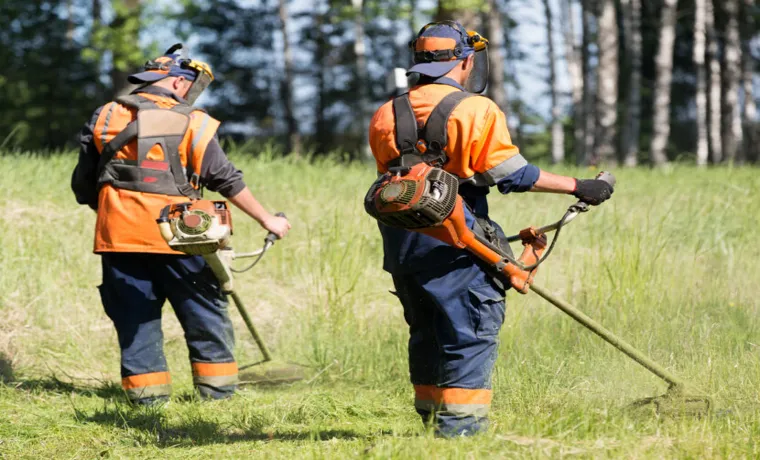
[
  {"x": 478, "y": 79},
  {"x": 202, "y": 80},
  {"x": 203, "y": 74}
]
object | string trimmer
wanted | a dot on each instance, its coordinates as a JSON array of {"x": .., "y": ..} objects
[
  {"x": 204, "y": 228},
  {"x": 425, "y": 199}
]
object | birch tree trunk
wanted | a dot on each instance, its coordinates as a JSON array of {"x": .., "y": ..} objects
[
  {"x": 362, "y": 76},
  {"x": 293, "y": 144},
  {"x": 714, "y": 107},
  {"x": 749, "y": 108},
  {"x": 632, "y": 123},
  {"x": 558, "y": 135},
  {"x": 125, "y": 32},
  {"x": 495, "y": 34},
  {"x": 700, "y": 39},
  {"x": 320, "y": 59},
  {"x": 573, "y": 59},
  {"x": 589, "y": 94},
  {"x": 608, "y": 83},
  {"x": 664, "y": 70},
  {"x": 732, "y": 127},
  {"x": 464, "y": 11}
]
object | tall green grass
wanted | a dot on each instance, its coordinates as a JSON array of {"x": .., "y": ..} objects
[{"x": 671, "y": 263}]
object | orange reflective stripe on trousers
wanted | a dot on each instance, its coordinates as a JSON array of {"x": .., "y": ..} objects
[
  {"x": 147, "y": 385},
  {"x": 456, "y": 401},
  {"x": 215, "y": 374}
]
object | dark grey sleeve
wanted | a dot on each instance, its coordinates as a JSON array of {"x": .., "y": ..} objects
[
  {"x": 218, "y": 174},
  {"x": 84, "y": 180}
]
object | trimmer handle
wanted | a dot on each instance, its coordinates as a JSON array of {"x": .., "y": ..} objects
[
  {"x": 271, "y": 237},
  {"x": 582, "y": 206},
  {"x": 607, "y": 176}
]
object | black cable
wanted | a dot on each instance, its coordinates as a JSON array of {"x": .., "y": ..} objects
[
  {"x": 253, "y": 264},
  {"x": 560, "y": 224}
]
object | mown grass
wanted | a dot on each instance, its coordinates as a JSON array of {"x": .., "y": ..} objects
[{"x": 671, "y": 263}]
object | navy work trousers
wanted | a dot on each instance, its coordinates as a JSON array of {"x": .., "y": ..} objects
[
  {"x": 454, "y": 312},
  {"x": 134, "y": 289}
]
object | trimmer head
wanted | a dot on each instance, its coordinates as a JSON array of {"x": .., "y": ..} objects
[
  {"x": 271, "y": 373},
  {"x": 676, "y": 403}
]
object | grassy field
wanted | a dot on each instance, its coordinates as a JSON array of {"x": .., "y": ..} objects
[{"x": 672, "y": 263}]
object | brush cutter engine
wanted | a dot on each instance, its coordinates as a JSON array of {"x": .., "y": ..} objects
[
  {"x": 204, "y": 228},
  {"x": 411, "y": 198},
  {"x": 196, "y": 228},
  {"x": 424, "y": 199}
]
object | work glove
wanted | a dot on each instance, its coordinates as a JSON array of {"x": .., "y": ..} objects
[{"x": 592, "y": 191}]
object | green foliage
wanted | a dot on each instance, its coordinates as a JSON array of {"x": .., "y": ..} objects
[{"x": 43, "y": 106}]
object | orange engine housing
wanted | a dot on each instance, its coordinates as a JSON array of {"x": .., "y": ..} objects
[
  {"x": 425, "y": 199},
  {"x": 418, "y": 197}
]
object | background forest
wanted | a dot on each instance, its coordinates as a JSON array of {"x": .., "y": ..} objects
[{"x": 620, "y": 81}]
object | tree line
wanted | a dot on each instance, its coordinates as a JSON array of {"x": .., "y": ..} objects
[{"x": 650, "y": 81}]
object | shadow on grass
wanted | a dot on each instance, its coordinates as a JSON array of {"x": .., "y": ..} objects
[
  {"x": 151, "y": 426},
  {"x": 54, "y": 385},
  {"x": 6, "y": 369}
]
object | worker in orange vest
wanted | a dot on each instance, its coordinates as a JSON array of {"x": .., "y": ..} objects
[
  {"x": 138, "y": 154},
  {"x": 453, "y": 305}
]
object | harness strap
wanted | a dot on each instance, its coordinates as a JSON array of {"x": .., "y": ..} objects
[
  {"x": 187, "y": 109},
  {"x": 127, "y": 135},
  {"x": 169, "y": 142},
  {"x": 406, "y": 125},
  {"x": 434, "y": 133}
]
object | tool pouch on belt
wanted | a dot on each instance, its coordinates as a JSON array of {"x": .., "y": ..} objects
[
  {"x": 153, "y": 127},
  {"x": 486, "y": 229}
]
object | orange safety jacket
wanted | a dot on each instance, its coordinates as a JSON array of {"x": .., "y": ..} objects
[
  {"x": 141, "y": 176},
  {"x": 478, "y": 149}
]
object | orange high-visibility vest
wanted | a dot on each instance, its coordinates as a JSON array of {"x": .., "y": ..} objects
[{"x": 152, "y": 149}]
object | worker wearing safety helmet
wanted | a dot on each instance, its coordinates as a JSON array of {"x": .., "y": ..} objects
[
  {"x": 138, "y": 154},
  {"x": 453, "y": 305}
]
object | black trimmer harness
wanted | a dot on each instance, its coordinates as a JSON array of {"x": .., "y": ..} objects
[{"x": 424, "y": 199}]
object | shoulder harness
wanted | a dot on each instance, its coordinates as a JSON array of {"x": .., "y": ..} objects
[
  {"x": 152, "y": 126},
  {"x": 434, "y": 133}
]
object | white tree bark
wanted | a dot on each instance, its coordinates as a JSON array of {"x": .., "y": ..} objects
[
  {"x": 496, "y": 90},
  {"x": 589, "y": 89},
  {"x": 732, "y": 125},
  {"x": 749, "y": 108},
  {"x": 362, "y": 76},
  {"x": 715, "y": 116},
  {"x": 558, "y": 134},
  {"x": 287, "y": 85},
  {"x": 573, "y": 59},
  {"x": 700, "y": 38},
  {"x": 664, "y": 70},
  {"x": 608, "y": 83},
  {"x": 632, "y": 124}
]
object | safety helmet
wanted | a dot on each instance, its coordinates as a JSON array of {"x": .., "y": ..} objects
[
  {"x": 172, "y": 64},
  {"x": 439, "y": 46}
]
